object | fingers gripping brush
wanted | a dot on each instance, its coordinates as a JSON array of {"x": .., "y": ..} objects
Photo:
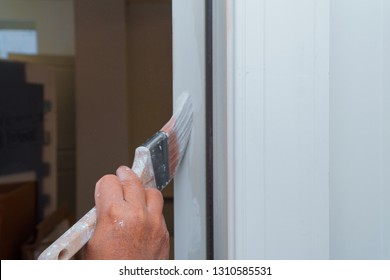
[{"x": 155, "y": 163}]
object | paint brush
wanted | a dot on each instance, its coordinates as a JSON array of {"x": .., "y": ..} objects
[{"x": 155, "y": 162}]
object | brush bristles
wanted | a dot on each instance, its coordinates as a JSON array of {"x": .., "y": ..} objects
[{"x": 178, "y": 130}]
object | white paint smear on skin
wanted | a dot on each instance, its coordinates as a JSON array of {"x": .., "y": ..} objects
[{"x": 121, "y": 223}]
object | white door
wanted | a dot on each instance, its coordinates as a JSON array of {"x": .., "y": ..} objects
[
  {"x": 189, "y": 75},
  {"x": 301, "y": 129},
  {"x": 360, "y": 129},
  {"x": 278, "y": 100}
]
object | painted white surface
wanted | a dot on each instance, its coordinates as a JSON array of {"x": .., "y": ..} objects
[
  {"x": 308, "y": 152},
  {"x": 278, "y": 136},
  {"x": 54, "y": 21},
  {"x": 188, "y": 75},
  {"x": 360, "y": 129},
  {"x": 386, "y": 130},
  {"x": 221, "y": 229}
]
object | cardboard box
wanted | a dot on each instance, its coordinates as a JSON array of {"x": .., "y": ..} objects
[{"x": 17, "y": 217}]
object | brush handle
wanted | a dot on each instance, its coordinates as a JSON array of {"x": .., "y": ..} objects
[{"x": 67, "y": 245}]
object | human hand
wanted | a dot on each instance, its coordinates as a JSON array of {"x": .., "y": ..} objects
[{"x": 130, "y": 223}]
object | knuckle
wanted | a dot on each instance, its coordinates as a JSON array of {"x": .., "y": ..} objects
[
  {"x": 154, "y": 191},
  {"x": 163, "y": 236},
  {"x": 114, "y": 211},
  {"x": 139, "y": 216},
  {"x": 122, "y": 168},
  {"x": 133, "y": 183},
  {"x": 158, "y": 227},
  {"x": 166, "y": 237},
  {"x": 154, "y": 195},
  {"x": 106, "y": 180}
]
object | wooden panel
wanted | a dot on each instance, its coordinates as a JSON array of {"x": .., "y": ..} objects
[
  {"x": 18, "y": 216},
  {"x": 59, "y": 60}
]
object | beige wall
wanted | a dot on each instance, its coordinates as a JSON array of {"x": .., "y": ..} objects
[
  {"x": 53, "y": 19},
  {"x": 124, "y": 84},
  {"x": 149, "y": 64},
  {"x": 101, "y": 100},
  {"x": 124, "y": 87}
]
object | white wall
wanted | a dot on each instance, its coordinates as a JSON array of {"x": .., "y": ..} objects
[
  {"x": 53, "y": 19},
  {"x": 278, "y": 142},
  {"x": 360, "y": 129},
  {"x": 188, "y": 75},
  {"x": 386, "y": 131},
  {"x": 222, "y": 230},
  {"x": 308, "y": 129}
]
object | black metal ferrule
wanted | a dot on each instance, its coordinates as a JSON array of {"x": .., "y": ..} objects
[{"x": 159, "y": 152}]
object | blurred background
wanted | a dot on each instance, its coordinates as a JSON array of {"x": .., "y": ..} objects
[{"x": 82, "y": 84}]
